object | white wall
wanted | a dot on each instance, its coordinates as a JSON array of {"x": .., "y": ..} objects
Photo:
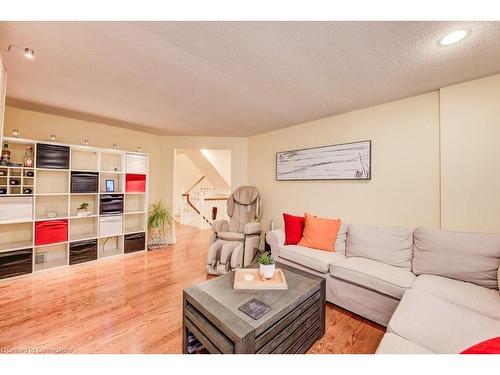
[
  {"x": 404, "y": 189},
  {"x": 470, "y": 155},
  {"x": 186, "y": 174}
]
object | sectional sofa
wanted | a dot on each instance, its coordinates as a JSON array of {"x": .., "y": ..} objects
[{"x": 436, "y": 291}]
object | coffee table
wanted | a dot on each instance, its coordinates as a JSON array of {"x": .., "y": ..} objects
[{"x": 296, "y": 321}]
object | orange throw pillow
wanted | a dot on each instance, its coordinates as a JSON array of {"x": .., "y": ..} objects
[{"x": 320, "y": 233}]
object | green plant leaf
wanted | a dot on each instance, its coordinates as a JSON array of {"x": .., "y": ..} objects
[{"x": 159, "y": 217}]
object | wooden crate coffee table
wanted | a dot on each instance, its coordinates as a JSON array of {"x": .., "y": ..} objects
[{"x": 296, "y": 321}]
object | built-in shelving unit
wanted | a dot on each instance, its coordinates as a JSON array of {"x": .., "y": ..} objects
[{"x": 42, "y": 226}]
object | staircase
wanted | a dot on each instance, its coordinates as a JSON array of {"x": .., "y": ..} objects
[{"x": 199, "y": 203}]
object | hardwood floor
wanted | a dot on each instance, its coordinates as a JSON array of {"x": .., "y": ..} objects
[{"x": 132, "y": 304}]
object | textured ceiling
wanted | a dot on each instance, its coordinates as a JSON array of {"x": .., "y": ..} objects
[{"x": 234, "y": 78}]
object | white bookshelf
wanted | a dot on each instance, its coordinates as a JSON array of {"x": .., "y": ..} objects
[{"x": 53, "y": 203}]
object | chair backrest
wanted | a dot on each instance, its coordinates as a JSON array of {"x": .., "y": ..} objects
[{"x": 243, "y": 206}]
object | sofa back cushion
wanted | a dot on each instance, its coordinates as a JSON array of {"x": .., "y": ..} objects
[
  {"x": 472, "y": 257},
  {"x": 391, "y": 246},
  {"x": 341, "y": 238}
]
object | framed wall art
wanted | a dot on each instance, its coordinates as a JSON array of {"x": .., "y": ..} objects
[{"x": 347, "y": 161}]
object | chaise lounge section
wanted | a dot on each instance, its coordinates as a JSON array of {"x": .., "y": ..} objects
[{"x": 436, "y": 291}]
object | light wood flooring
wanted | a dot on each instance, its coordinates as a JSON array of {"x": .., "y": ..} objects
[{"x": 132, "y": 304}]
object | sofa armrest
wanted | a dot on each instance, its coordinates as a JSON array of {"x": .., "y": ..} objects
[
  {"x": 220, "y": 226},
  {"x": 275, "y": 239},
  {"x": 252, "y": 228}
]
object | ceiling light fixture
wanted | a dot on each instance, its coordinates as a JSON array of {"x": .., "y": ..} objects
[
  {"x": 453, "y": 37},
  {"x": 29, "y": 53}
]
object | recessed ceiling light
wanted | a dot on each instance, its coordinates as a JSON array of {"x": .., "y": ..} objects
[{"x": 453, "y": 37}]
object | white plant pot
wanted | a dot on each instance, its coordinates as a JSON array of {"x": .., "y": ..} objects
[{"x": 267, "y": 270}]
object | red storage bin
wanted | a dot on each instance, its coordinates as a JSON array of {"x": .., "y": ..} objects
[
  {"x": 51, "y": 231},
  {"x": 135, "y": 183}
]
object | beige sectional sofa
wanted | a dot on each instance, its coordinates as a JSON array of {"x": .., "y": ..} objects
[{"x": 436, "y": 291}]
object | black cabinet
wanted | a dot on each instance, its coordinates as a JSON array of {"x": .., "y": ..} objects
[
  {"x": 111, "y": 204},
  {"x": 52, "y": 156},
  {"x": 14, "y": 263},
  {"x": 84, "y": 182},
  {"x": 135, "y": 242},
  {"x": 82, "y": 251}
]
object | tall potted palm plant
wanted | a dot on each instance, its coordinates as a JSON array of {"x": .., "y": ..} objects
[{"x": 159, "y": 221}]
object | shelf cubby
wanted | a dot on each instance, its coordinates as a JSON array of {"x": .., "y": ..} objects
[
  {"x": 118, "y": 182},
  {"x": 82, "y": 228},
  {"x": 112, "y": 162},
  {"x": 51, "y": 256},
  {"x": 18, "y": 150},
  {"x": 109, "y": 246},
  {"x": 51, "y": 203},
  {"x": 135, "y": 203},
  {"x": 134, "y": 223},
  {"x": 77, "y": 199},
  {"x": 16, "y": 236},
  {"x": 84, "y": 159},
  {"x": 52, "y": 181}
]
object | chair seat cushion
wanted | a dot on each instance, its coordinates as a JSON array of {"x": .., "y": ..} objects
[
  {"x": 390, "y": 280},
  {"x": 316, "y": 260},
  {"x": 471, "y": 296},
  {"x": 394, "y": 344},
  {"x": 231, "y": 236},
  {"x": 438, "y": 325}
]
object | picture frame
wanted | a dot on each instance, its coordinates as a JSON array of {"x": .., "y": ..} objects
[
  {"x": 344, "y": 161},
  {"x": 110, "y": 186}
]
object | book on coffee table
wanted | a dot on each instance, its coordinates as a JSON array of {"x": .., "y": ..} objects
[{"x": 254, "y": 308}]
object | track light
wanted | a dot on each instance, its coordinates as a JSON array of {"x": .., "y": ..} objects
[
  {"x": 15, "y": 132},
  {"x": 53, "y": 137},
  {"x": 29, "y": 53},
  {"x": 139, "y": 149},
  {"x": 86, "y": 142}
]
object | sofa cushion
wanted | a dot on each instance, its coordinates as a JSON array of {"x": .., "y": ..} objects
[
  {"x": 471, "y": 296},
  {"x": 316, "y": 260},
  {"x": 320, "y": 233},
  {"x": 380, "y": 277},
  {"x": 391, "y": 246},
  {"x": 472, "y": 257},
  {"x": 341, "y": 238},
  {"x": 394, "y": 344},
  {"x": 439, "y": 325},
  {"x": 491, "y": 346},
  {"x": 294, "y": 227}
]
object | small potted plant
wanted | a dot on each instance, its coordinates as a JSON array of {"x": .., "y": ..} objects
[
  {"x": 159, "y": 221},
  {"x": 266, "y": 265},
  {"x": 82, "y": 210}
]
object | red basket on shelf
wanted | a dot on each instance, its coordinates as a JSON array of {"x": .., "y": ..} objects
[
  {"x": 135, "y": 183},
  {"x": 51, "y": 231}
]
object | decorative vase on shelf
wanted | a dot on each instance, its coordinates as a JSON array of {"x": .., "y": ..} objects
[
  {"x": 5, "y": 160},
  {"x": 28, "y": 157},
  {"x": 82, "y": 210}
]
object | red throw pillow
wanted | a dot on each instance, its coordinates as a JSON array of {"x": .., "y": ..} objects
[
  {"x": 491, "y": 346},
  {"x": 294, "y": 226}
]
